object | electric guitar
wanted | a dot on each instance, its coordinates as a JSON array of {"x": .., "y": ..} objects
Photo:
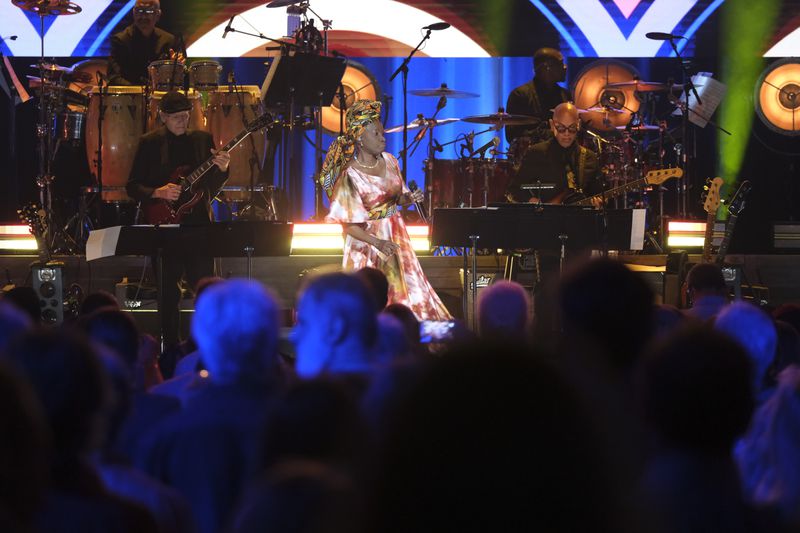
[
  {"x": 157, "y": 211},
  {"x": 35, "y": 218},
  {"x": 735, "y": 206},
  {"x": 654, "y": 177},
  {"x": 710, "y": 206}
]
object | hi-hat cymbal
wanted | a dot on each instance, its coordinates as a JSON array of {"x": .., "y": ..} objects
[
  {"x": 642, "y": 86},
  {"x": 283, "y": 3},
  {"x": 444, "y": 90},
  {"x": 48, "y": 7},
  {"x": 640, "y": 128},
  {"x": 502, "y": 119},
  {"x": 417, "y": 123}
]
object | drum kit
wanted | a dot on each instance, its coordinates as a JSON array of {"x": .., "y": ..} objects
[{"x": 613, "y": 126}]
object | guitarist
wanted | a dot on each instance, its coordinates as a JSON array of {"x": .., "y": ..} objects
[
  {"x": 573, "y": 169},
  {"x": 160, "y": 154}
]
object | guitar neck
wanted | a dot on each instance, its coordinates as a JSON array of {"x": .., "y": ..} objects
[
  {"x": 616, "y": 191},
  {"x": 726, "y": 240},
  {"x": 206, "y": 166},
  {"x": 711, "y": 219}
]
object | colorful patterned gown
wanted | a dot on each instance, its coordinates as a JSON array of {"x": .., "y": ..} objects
[{"x": 361, "y": 198}]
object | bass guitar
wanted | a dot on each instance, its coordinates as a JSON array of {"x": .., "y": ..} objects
[
  {"x": 654, "y": 177},
  {"x": 157, "y": 211},
  {"x": 735, "y": 207},
  {"x": 711, "y": 204}
]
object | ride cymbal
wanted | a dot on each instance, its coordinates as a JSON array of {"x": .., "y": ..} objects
[
  {"x": 48, "y": 7},
  {"x": 640, "y": 86},
  {"x": 417, "y": 123},
  {"x": 444, "y": 90},
  {"x": 502, "y": 119}
]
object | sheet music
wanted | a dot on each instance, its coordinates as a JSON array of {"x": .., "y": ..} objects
[
  {"x": 711, "y": 94},
  {"x": 638, "y": 224},
  {"x": 102, "y": 243}
]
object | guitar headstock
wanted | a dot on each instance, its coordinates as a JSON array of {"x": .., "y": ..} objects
[
  {"x": 657, "y": 177},
  {"x": 712, "y": 190},
  {"x": 34, "y": 217},
  {"x": 736, "y": 204},
  {"x": 260, "y": 122}
]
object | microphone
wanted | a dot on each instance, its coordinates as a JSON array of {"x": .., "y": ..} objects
[
  {"x": 9, "y": 38},
  {"x": 436, "y": 26},
  {"x": 660, "y": 36},
  {"x": 412, "y": 186},
  {"x": 494, "y": 143},
  {"x": 228, "y": 27}
]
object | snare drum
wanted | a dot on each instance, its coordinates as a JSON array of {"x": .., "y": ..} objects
[
  {"x": 227, "y": 112},
  {"x": 166, "y": 75},
  {"x": 461, "y": 183},
  {"x": 123, "y": 124},
  {"x": 197, "y": 118},
  {"x": 204, "y": 75}
]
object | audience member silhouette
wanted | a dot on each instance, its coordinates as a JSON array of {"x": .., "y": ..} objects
[
  {"x": 336, "y": 327},
  {"x": 410, "y": 324},
  {"x": 97, "y": 300},
  {"x": 767, "y": 455},
  {"x": 698, "y": 399},
  {"x": 74, "y": 392},
  {"x": 493, "y": 439},
  {"x": 209, "y": 450},
  {"x": 14, "y": 322},
  {"x": 24, "y": 453},
  {"x": 503, "y": 312},
  {"x": 377, "y": 283},
  {"x": 25, "y": 299},
  {"x": 707, "y": 291},
  {"x": 755, "y": 331}
]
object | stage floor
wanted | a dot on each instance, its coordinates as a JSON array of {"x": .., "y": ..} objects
[{"x": 778, "y": 274}]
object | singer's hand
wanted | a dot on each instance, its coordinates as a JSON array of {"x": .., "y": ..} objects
[
  {"x": 409, "y": 198},
  {"x": 387, "y": 247}
]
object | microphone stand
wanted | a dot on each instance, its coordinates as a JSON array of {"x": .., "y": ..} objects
[
  {"x": 688, "y": 88},
  {"x": 404, "y": 69},
  {"x": 260, "y": 35}
]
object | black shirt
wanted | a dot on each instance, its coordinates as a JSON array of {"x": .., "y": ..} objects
[
  {"x": 132, "y": 52},
  {"x": 549, "y": 162},
  {"x": 534, "y": 99}
]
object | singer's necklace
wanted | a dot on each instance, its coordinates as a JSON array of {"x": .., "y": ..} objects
[{"x": 377, "y": 162}]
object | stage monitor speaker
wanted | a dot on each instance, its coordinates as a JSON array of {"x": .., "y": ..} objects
[
  {"x": 48, "y": 282},
  {"x": 485, "y": 278}
]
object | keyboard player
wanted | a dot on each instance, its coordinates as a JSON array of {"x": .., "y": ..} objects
[{"x": 572, "y": 169}]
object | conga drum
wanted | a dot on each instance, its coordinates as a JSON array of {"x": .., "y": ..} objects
[
  {"x": 204, "y": 75},
  {"x": 166, "y": 75},
  {"x": 197, "y": 119},
  {"x": 227, "y": 112},
  {"x": 123, "y": 124}
]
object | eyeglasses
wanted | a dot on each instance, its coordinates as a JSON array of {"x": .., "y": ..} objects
[
  {"x": 178, "y": 115},
  {"x": 145, "y": 10},
  {"x": 562, "y": 129}
]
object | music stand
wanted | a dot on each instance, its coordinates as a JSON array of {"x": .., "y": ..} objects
[{"x": 303, "y": 80}]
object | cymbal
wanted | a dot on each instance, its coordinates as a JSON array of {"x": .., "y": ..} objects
[
  {"x": 444, "y": 90},
  {"x": 417, "y": 123},
  {"x": 503, "y": 119},
  {"x": 283, "y": 3},
  {"x": 48, "y": 7},
  {"x": 639, "y": 128},
  {"x": 52, "y": 67},
  {"x": 643, "y": 86},
  {"x": 600, "y": 109}
]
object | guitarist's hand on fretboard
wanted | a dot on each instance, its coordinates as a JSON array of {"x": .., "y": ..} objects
[{"x": 169, "y": 192}]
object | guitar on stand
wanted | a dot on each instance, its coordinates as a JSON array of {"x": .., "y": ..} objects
[
  {"x": 36, "y": 219},
  {"x": 735, "y": 207},
  {"x": 711, "y": 205},
  {"x": 157, "y": 211}
]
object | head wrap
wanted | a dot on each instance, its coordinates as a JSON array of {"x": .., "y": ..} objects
[{"x": 341, "y": 151}]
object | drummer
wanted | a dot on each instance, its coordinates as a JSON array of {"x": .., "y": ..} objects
[
  {"x": 141, "y": 43},
  {"x": 537, "y": 97}
]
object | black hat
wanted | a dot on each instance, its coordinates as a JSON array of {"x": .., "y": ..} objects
[{"x": 174, "y": 102}]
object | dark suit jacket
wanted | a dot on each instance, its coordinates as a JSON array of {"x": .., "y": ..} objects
[
  {"x": 548, "y": 162},
  {"x": 132, "y": 52},
  {"x": 536, "y": 100},
  {"x": 151, "y": 167}
]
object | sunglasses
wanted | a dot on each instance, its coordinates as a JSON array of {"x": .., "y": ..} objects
[
  {"x": 145, "y": 10},
  {"x": 562, "y": 129}
]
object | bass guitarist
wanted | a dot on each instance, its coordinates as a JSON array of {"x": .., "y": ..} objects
[{"x": 162, "y": 157}]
